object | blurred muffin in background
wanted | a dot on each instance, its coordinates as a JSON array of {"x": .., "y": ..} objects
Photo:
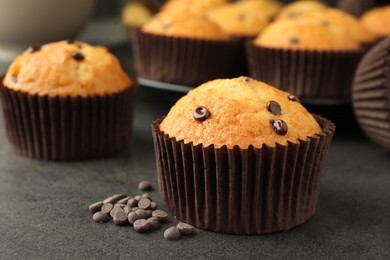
[
  {"x": 200, "y": 7},
  {"x": 267, "y": 8},
  {"x": 183, "y": 48},
  {"x": 313, "y": 59},
  {"x": 377, "y": 21}
]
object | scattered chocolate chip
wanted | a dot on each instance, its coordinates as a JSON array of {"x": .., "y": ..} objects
[
  {"x": 153, "y": 205},
  {"x": 77, "y": 55},
  {"x": 294, "y": 41},
  {"x": 145, "y": 186},
  {"x": 172, "y": 234},
  {"x": 33, "y": 48},
  {"x": 293, "y": 98},
  {"x": 14, "y": 79},
  {"x": 123, "y": 201},
  {"x": 100, "y": 217},
  {"x": 144, "y": 203},
  {"x": 107, "y": 207},
  {"x": 149, "y": 213},
  {"x": 134, "y": 208},
  {"x": 160, "y": 214},
  {"x": 153, "y": 222},
  {"x": 114, "y": 210},
  {"x": 132, "y": 217},
  {"x": 120, "y": 205},
  {"x": 279, "y": 126},
  {"x": 146, "y": 195},
  {"x": 185, "y": 228},
  {"x": 201, "y": 113},
  {"x": 120, "y": 218},
  {"x": 138, "y": 197},
  {"x": 132, "y": 202},
  {"x": 114, "y": 198},
  {"x": 95, "y": 207},
  {"x": 127, "y": 209},
  {"x": 274, "y": 108},
  {"x": 142, "y": 213},
  {"x": 141, "y": 225}
]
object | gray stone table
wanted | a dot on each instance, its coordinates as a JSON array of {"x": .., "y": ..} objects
[{"x": 43, "y": 205}]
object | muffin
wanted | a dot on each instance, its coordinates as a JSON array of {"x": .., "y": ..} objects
[
  {"x": 173, "y": 48},
  {"x": 313, "y": 59},
  {"x": 370, "y": 93},
  {"x": 67, "y": 101},
  {"x": 341, "y": 19},
  {"x": 377, "y": 21},
  {"x": 233, "y": 156},
  {"x": 266, "y": 8},
  {"x": 297, "y": 8}
]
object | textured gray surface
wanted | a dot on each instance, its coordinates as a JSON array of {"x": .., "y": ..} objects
[{"x": 44, "y": 204}]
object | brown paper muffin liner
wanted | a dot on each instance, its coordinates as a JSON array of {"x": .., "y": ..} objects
[
  {"x": 307, "y": 74},
  {"x": 182, "y": 61},
  {"x": 67, "y": 128},
  {"x": 242, "y": 191},
  {"x": 355, "y": 7},
  {"x": 371, "y": 94}
]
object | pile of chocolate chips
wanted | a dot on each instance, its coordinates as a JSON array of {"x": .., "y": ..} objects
[{"x": 139, "y": 211}]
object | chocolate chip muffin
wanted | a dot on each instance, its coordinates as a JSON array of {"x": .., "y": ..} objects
[
  {"x": 174, "y": 48},
  {"x": 298, "y": 8},
  {"x": 67, "y": 101},
  {"x": 233, "y": 155},
  {"x": 313, "y": 59},
  {"x": 200, "y": 7}
]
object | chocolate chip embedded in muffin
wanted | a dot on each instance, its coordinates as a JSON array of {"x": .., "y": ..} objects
[
  {"x": 279, "y": 126},
  {"x": 77, "y": 56},
  {"x": 294, "y": 41},
  {"x": 33, "y": 48},
  {"x": 201, "y": 113},
  {"x": 274, "y": 108},
  {"x": 293, "y": 98}
]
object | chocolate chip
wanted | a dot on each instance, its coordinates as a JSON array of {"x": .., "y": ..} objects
[
  {"x": 160, "y": 214},
  {"x": 132, "y": 202},
  {"x": 153, "y": 222},
  {"x": 107, "y": 207},
  {"x": 153, "y": 205},
  {"x": 69, "y": 41},
  {"x": 127, "y": 209},
  {"x": 114, "y": 198},
  {"x": 132, "y": 217},
  {"x": 167, "y": 25},
  {"x": 77, "y": 55},
  {"x": 138, "y": 197},
  {"x": 149, "y": 213},
  {"x": 293, "y": 98},
  {"x": 141, "y": 225},
  {"x": 145, "y": 186},
  {"x": 146, "y": 195},
  {"x": 274, "y": 108},
  {"x": 120, "y": 218},
  {"x": 279, "y": 126},
  {"x": 247, "y": 79},
  {"x": 144, "y": 203},
  {"x": 114, "y": 210},
  {"x": 201, "y": 113},
  {"x": 100, "y": 217},
  {"x": 95, "y": 207},
  {"x": 123, "y": 201},
  {"x": 134, "y": 208},
  {"x": 172, "y": 234},
  {"x": 14, "y": 79},
  {"x": 142, "y": 213},
  {"x": 33, "y": 48},
  {"x": 185, "y": 228},
  {"x": 294, "y": 41}
]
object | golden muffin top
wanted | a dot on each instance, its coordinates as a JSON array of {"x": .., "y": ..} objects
[
  {"x": 295, "y": 9},
  {"x": 200, "y": 7},
  {"x": 306, "y": 34},
  {"x": 238, "y": 20},
  {"x": 185, "y": 25},
  {"x": 266, "y": 8},
  {"x": 377, "y": 21},
  {"x": 67, "y": 68},
  {"x": 342, "y": 19},
  {"x": 239, "y": 111}
]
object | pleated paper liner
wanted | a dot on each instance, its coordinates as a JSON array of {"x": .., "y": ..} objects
[
  {"x": 307, "y": 74},
  {"x": 183, "y": 61},
  {"x": 371, "y": 94},
  {"x": 242, "y": 191},
  {"x": 355, "y": 7},
  {"x": 67, "y": 128},
  {"x": 240, "y": 64}
]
